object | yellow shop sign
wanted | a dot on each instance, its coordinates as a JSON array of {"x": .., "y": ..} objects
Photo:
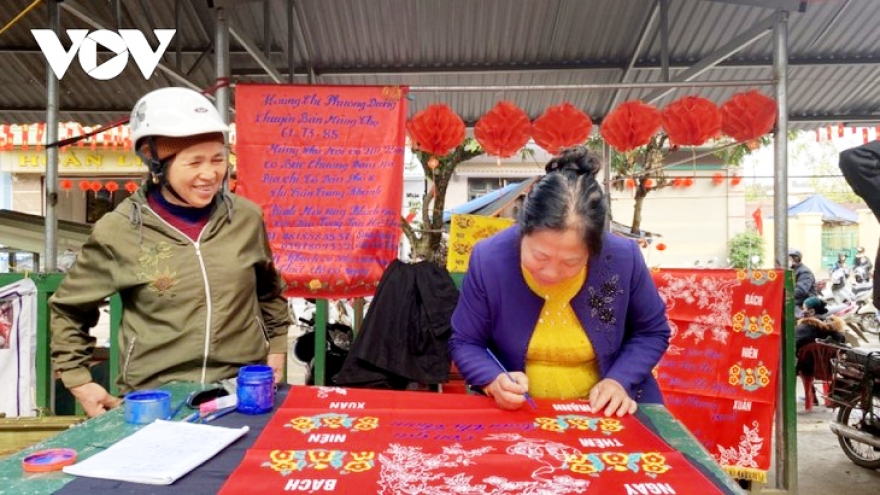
[{"x": 72, "y": 162}]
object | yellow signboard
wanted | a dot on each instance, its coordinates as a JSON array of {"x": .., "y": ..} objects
[
  {"x": 464, "y": 232},
  {"x": 73, "y": 162}
]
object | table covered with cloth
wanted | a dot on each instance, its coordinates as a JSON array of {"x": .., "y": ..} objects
[{"x": 330, "y": 439}]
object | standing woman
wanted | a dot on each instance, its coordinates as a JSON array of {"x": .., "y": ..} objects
[
  {"x": 571, "y": 310},
  {"x": 200, "y": 293}
]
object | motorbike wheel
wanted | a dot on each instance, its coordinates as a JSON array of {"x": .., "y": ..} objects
[
  {"x": 860, "y": 453},
  {"x": 869, "y": 323}
]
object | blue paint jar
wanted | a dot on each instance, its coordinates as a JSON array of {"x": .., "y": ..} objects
[
  {"x": 255, "y": 389},
  {"x": 146, "y": 406}
]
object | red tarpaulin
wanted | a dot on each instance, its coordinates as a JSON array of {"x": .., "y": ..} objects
[
  {"x": 326, "y": 165},
  {"x": 720, "y": 372},
  {"x": 387, "y": 442}
]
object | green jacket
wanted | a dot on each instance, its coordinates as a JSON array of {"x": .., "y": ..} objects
[{"x": 192, "y": 311}]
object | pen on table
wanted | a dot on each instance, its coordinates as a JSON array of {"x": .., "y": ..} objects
[
  {"x": 504, "y": 370},
  {"x": 219, "y": 413}
]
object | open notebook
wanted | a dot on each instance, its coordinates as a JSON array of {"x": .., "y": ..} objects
[{"x": 159, "y": 453}]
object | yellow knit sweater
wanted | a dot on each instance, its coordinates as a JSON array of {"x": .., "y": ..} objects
[{"x": 560, "y": 360}]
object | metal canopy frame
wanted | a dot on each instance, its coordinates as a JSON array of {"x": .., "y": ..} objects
[{"x": 299, "y": 39}]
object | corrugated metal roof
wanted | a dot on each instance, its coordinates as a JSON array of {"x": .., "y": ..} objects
[{"x": 834, "y": 55}]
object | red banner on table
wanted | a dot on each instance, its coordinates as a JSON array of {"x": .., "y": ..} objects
[
  {"x": 388, "y": 442},
  {"x": 720, "y": 372},
  {"x": 326, "y": 165}
]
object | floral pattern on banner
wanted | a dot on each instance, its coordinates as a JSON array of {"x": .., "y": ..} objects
[
  {"x": 581, "y": 423},
  {"x": 719, "y": 375},
  {"x": 464, "y": 232},
  {"x": 306, "y": 424},
  {"x": 287, "y": 462}
]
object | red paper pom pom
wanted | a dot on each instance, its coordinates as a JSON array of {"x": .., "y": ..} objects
[
  {"x": 747, "y": 116},
  {"x": 504, "y": 130},
  {"x": 111, "y": 186},
  {"x": 691, "y": 121},
  {"x": 630, "y": 125},
  {"x": 66, "y": 184},
  {"x": 131, "y": 186},
  {"x": 96, "y": 186},
  {"x": 84, "y": 185},
  {"x": 560, "y": 127},
  {"x": 718, "y": 178},
  {"x": 661, "y": 247},
  {"x": 688, "y": 182},
  {"x": 436, "y": 130}
]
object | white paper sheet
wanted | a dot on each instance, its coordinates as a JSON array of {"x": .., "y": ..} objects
[{"x": 159, "y": 453}]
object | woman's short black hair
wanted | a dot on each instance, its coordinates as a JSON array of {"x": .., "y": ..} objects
[{"x": 568, "y": 197}]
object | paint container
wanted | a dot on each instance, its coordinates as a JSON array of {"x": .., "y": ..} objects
[
  {"x": 255, "y": 389},
  {"x": 44, "y": 461},
  {"x": 145, "y": 406}
]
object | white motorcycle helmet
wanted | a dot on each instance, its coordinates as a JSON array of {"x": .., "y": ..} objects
[{"x": 171, "y": 112}]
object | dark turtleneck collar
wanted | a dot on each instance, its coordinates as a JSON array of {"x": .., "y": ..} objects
[{"x": 186, "y": 213}]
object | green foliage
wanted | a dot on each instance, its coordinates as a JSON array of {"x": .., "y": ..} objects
[
  {"x": 734, "y": 155},
  {"x": 743, "y": 246}
]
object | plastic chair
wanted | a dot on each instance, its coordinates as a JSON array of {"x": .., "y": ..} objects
[{"x": 814, "y": 364}]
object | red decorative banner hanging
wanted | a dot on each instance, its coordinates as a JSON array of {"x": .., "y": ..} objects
[
  {"x": 747, "y": 116},
  {"x": 325, "y": 163},
  {"x": 719, "y": 374},
  {"x": 691, "y": 121},
  {"x": 436, "y": 130},
  {"x": 503, "y": 130},
  {"x": 630, "y": 125},
  {"x": 560, "y": 127}
]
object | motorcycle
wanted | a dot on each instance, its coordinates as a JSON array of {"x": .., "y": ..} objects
[{"x": 855, "y": 389}]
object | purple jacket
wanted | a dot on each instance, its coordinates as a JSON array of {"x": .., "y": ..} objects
[{"x": 618, "y": 306}]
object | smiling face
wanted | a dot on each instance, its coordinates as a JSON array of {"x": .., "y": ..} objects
[
  {"x": 552, "y": 256},
  {"x": 196, "y": 174}
]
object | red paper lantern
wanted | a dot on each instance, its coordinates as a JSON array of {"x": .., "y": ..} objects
[
  {"x": 96, "y": 186},
  {"x": 111, "y": 186},
  {"x": 678, "y": 182},
  {"x": 131, "y": 186},
  {"x": 718, "y": 178},
  {"x": 691, "y": 121},
  {"x": 630, "y": 125},
  {"x": 436, "y": 130},
  {"x": 688, "y": 182},
  {"x": 504, "y": 130},
  {"x": 735, "y": 180},
  {"x": 66, "y": 184},
  {"x": 630, "y": 183},
  {"x": 747, "y": 116},
  {"x": 661, "y": 246},
  {"x": 649, "y": 183},
  {"x": 560, "y": 127},
  {"x": 84, "y": 185}
]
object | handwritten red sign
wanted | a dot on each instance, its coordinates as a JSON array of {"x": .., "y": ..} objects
[
  {"x": 326, "y": 165},
  {"x": 720, "y": 372}
]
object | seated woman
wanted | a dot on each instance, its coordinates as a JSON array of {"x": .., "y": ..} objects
[
  {"x": 814, "y": 362},
  {"x": 571, "y": 310}
]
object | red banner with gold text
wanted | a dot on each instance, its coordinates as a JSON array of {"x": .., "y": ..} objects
[
  {"x": 720, "y": 372},
  {"x": 326, "y": 165}
]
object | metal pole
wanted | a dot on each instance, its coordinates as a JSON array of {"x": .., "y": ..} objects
[
  {"x": 50, "y": 255},
  {"x": 596, "y": 87},
  {"x": 786, "y": 419},
  {"x": 221, "y": 52}
]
